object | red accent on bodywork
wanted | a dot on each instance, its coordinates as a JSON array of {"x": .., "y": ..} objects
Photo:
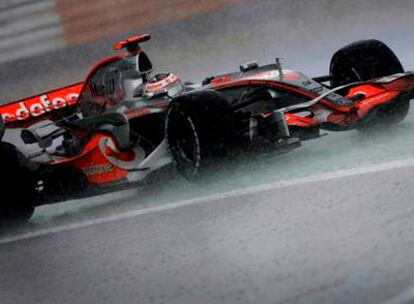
[
  {"x": 36, "y": 106},
  {"x": 335, "y": 118},
  {"x": 291, "y": 77},
  {"x": 293, "y": 120},
  {"x": 380, "y": 94},
  {"x": 365, "y": 106},
  {"x": 92, "y": 161},
  {"x": 366, "y": 89},
  {"x": 403, "y": 84},
  {"x": 92, "y": 144},
  {"x": 127, "y": 155},
  {"x": 220, "y": 80},
  {"x": 136, "y": 39}
]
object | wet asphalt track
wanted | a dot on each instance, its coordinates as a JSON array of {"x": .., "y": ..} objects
[{"x": 343, "y": 239}]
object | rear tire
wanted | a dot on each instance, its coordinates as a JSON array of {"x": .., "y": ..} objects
[
  {"x": 199, "y": 130},
  {"x": 366, "y": 60},
  {"x": 17, "y": 188}
]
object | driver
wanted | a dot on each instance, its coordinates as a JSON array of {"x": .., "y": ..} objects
[{"x": 163, "y": 84}]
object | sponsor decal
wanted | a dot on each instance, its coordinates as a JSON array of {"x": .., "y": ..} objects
[
  {"x": 125, "y": 160},
  {"x": 264, "y": 75},
  {"x": 156, "y": 86},
  {"x": 287, "y": 75},
  {"x": 40, "y": 105},
  {"x": 220, "y": 80},
  {"x": 98, "y": 169}
]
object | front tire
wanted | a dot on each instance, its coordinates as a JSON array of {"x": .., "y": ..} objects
[
  {"x": 363, "y": 60},
  {"x": 199, "y": 130}
]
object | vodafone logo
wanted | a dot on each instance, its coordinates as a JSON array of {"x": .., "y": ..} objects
[
  {"x": 24, "y": 111},
  {"x": 40, "y": 105}
]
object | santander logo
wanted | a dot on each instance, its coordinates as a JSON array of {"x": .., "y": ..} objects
[{"x": 40, "y": 105}]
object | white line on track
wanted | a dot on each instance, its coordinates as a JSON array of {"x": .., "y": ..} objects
[{"x": 408, "y": 163}]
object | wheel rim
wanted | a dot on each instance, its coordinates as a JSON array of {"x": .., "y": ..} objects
[{"x": 184, "y": 144}]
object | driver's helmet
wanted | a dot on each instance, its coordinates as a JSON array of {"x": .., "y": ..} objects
[{"x": 163, "y": 83}]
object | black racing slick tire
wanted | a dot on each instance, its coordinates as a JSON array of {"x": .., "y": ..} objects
[
  {"x": 366, "y": 60},
  {"x": 16, "y": 187},
  {"x": 363, "y": 60},
  {"x": 199, "y": 130}
]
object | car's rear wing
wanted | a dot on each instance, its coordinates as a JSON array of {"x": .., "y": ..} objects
[{"x": 47, "y": 105}]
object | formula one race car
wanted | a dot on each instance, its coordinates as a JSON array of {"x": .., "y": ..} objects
[{"x": 122, "y": 123}]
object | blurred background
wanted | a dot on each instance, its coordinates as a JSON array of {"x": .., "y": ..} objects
[{"x": 51, "y": 43}]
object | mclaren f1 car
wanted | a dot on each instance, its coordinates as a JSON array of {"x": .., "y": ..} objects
[{"x": 123, "y": 123}]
